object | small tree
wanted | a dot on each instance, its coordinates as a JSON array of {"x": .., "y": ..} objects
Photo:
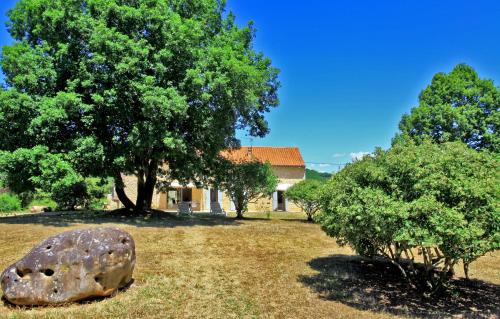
[
  {"x": 246, "y": 182},
  {"x": 439, "y": 199},
  {"x": 306, "y": 195}
]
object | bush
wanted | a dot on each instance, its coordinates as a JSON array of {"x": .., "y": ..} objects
[
  {"x": 9, "y": 203},
  {"x": 97, "y": 204},
  {"x": 40, "y": 200},
  {"x": 69, "y": 193},
  {"x": 73, "y": 191},
  {"x": 306, "y": 195},
  {"x": 437, "y": 199},
  {"x": 97, "y": 189},
  {"x": 28, "y": 172}
]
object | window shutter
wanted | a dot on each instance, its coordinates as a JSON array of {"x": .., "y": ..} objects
[
  {"x": 219, "y": 197},
  {"x": 206, "y": 194},
  {"x": 275, "y": 200}
]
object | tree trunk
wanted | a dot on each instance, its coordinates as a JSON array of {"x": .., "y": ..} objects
[
  {"x": 309, "y": 216},
  {"x": 239, "y": 204},
  {"x": 466, "y": 271},
  {"x": 150, "y": 184},
  {"x": 140, "y": 200},
  {"x": 146, "y": 182},
  {"x": 239, "y": 214},
  {"x": 120, "y": 192}
]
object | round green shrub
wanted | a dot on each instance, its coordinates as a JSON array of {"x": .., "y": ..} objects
[
  {"x": 437, "y": 199},
  {"x": 9, "y": 203}
]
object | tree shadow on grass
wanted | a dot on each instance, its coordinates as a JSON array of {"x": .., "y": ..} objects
[
  {"x": 265, "y": 219},
  {"x": 150, "y": 219},
  {"x": 375, "y": 285}
]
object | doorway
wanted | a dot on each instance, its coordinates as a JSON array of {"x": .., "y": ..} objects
[
  {"x": 186, "y": 195},
  {"x": 281, "y": 201},
  {"x": 179, "y": 195},
  {"x": 172, "y": 199}
]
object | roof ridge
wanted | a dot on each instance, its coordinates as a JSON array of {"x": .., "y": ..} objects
[
  {"x": 277, "y": 156},
  {"x": 296, "y": 147}
]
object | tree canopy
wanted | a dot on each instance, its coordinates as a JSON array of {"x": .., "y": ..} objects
[
  {"x": 440, "y": 198},
  {"x": 306, "y": 195},
  {"x": 458, "y": 106},
  {"x": 245, "y": 182},
  {"x": 312, "y": 174},
  {"x": 36, "y": 170},
  {"x": 125, "y": 86}
]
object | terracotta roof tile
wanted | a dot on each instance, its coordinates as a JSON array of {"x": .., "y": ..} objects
[{"x": 276, "y": 156}]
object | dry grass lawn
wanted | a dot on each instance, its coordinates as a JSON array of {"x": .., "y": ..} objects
[{"x": 208, "y": 267}]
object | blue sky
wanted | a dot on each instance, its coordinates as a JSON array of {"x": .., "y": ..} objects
[{"x": 350, "y": 69}]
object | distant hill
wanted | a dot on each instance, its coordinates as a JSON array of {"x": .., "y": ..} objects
[{"x": 312, "y": 174}]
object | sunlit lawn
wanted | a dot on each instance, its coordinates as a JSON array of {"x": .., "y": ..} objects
[{"x": 267, "y": 266}]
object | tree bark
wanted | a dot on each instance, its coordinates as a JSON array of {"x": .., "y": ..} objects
[
  {"x": 120, "y": 192},
  {"x": 239, "y": 204},
  {"x": 146, "y": 182},
  {"x": 139, "y": 202},
  {"x": 309, "y": 216},
  {"x": 239, "y": 214},
  {"x": 150, "y": 184}
]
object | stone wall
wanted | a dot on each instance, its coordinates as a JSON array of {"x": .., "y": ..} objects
[{"x": 289, "y": 175}]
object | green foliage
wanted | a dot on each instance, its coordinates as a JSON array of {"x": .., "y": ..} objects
[
  {"x": 9, "y": 203},
  {"x": 97, "y": 190},
  {"x": 37, "y": 170},
  {"x": 31, "y": 171},
  {"x": 458, "y": 106},
  {"x": 245, "y": 182},
  {"x": 69, "y": 192},
  {"x": 306, "y": 195},
  {"x": 319, "y": 176},
  {"x": 73, "y": 191},
  {"x": 42, "y": 200},
  {"x": 18, "y": 168},
  {"x": 123, "y": 87},
  {"x": 440, "y": 198}
]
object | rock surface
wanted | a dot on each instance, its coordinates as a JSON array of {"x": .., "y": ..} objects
[
  {"x": 71, "y": 266},
  {"x": 39, "y": 209}
]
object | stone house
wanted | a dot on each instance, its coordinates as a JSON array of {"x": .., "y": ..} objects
[{"x": 287, "y": 164}]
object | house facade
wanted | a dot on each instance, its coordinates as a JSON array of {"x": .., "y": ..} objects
[{"x": 287, "y": 163}]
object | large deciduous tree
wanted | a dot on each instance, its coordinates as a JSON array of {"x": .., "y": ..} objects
[
  {"x": 458, "y": 106},
  {"x": 439, "y": 199},
  {"x": 126, "y": 86}
]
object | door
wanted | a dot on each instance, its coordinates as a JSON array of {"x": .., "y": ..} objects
[
  {"x": 281, "y": 201},
  {"x": 172, "y": 199},
  {"x": 186, "y": 195},
  {"x": 179, "y": 195}
]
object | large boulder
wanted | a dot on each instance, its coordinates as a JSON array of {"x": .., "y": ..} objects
[{"x": 71, "y": 266}]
